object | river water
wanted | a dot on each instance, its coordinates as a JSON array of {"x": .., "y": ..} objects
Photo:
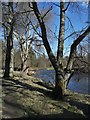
[{"x": 80, "y": 82}]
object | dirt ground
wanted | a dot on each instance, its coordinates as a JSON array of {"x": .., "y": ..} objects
[{"x": 29, "y": 97}]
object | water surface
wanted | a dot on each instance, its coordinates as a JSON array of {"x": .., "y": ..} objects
[{"x": 80, "y": 82}]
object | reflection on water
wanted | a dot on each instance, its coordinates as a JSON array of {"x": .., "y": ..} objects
[{"x": 79, "y": 82}]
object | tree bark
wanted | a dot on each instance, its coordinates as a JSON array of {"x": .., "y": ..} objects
[
  {"x": 9, "y": 59},
  {"x": 62, "y": 76},
  {"x": 68, "y": 71},
  {"x": 23, "y": 64},
  {"x": 59, "y": 89},
  {"x": 61, "y": 35},
  {"x": 60, "y": 86},
  {"x": 9, "y": 48},
  {"x": 24, "y": 55},
  {"x": 44, "y": 36}
]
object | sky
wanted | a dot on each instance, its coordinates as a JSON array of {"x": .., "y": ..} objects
[
  {"x": 42, "y": 0},
  {"x": 78, "y": 17}
]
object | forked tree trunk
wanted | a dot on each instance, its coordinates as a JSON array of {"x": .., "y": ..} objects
[
  {"x": 62, "y": 77},
  {"x": 57, "y": 64}
]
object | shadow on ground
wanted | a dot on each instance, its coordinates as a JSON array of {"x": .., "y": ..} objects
[{"x": 12, "y": 109}]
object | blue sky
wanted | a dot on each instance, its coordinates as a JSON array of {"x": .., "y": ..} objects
[
  {"x": 79, "y": 20},
  {"x": 78, "y": 17}
]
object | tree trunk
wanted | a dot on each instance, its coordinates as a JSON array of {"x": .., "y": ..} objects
[
  {"x": 9, "y": 63},
  {"x": 9, "y": 57},
  {"x": 61, "y": 35},
  {"x": 23, "y": 65},
  {"x": 24, "y": 56},
  {"x": 60, "y": 86},
  {"x": 62, "y": 76},
  {"x": 1, "y": 53},
  {"x": 9, "y": 48},
  {"x": 24, "y": 68},
  {"x": 12, "y": 63}
]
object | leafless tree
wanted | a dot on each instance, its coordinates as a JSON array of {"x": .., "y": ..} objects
[
  {"x": 8, "y": 27},
  {"x": 62, "y": 75}
]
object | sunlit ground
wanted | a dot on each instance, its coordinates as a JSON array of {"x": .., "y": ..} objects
[{"x": 28, "y": 97}]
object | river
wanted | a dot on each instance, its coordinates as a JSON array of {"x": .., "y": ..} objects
[{"x": 79, "y": 82}]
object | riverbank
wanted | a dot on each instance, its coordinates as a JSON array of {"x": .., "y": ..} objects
[{"x": 29, "y": 97}]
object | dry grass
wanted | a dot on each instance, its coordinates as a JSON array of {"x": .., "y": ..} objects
[{"x": 32, "y": 99}]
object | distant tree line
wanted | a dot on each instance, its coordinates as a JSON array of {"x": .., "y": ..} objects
[
  {"x": 81, "y": 64},
  {"x": 34, "y": 61}
]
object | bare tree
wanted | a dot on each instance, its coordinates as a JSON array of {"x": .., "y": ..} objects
[
  {"x": 26, "y": 32},
  {"x": 22, "y": 32},
  {"x": 8, "y": 24},
  {"x": 62, "y": 75}
]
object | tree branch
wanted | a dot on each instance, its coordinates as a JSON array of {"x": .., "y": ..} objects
[
  {"x": 44, "y": 36},
  {"x": 47, "y": 12},
  {"x": 67, "y": 7},
  {"x": 73, "y": 48},
  {"x": 56, "y": 4},
  {"x": 75, "y": 33}
]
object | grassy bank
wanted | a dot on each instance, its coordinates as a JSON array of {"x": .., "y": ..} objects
[{"x": 30, "y": 97}]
